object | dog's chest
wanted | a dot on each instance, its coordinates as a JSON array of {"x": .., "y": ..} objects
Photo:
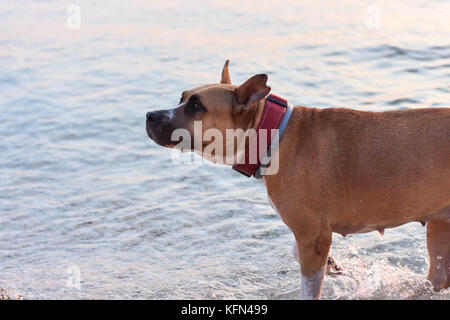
[{"x": 272, "y": 204}]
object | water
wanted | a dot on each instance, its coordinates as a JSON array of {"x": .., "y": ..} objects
[{"x": 81, "y": 185}]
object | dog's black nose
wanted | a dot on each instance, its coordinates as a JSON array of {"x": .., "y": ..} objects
[
  {"x": 150, "y": 116},
  {"x": 155, "y": 116}
]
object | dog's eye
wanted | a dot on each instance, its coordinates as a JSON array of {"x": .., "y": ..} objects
[
  {"x": 194, "y": 106},
  {"x": 197, "y": 106}
]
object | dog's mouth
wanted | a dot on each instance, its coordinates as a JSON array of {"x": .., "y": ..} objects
[
  {"x": 160, "y": 136},
  {"x": 161, "y": 133},
  {"x": 162, "y": 127}
]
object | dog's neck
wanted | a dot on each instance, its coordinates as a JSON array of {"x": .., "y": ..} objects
[{"x": 268, "y": 114}]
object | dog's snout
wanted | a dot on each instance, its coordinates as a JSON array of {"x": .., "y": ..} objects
[{"x": 159, "y": 127}]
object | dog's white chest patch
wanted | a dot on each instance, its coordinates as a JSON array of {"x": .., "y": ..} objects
[
  {"x": 270, "y": 200},
  {"x": 294, "y": 248},
  {"x": 272, "y": 204}
]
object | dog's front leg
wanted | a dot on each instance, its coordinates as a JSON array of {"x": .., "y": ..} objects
[{"x": 313, "y": 253}]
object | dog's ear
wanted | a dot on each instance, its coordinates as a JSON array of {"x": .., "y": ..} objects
[
  {"x": 225, "y": 75},
  {"x": 252, "y": 90}
]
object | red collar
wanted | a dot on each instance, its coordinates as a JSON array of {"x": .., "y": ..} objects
[{"x": 271, "y": 117}]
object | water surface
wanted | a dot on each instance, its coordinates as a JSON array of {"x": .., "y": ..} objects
[{"x": 82, "y": 186}]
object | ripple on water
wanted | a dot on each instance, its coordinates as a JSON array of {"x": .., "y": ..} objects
[{"x": 82, "y": 186}]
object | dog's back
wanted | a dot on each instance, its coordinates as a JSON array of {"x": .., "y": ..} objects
[{"x": 377, "y": 164}]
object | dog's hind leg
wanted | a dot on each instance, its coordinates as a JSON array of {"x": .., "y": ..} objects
[{"x": 438, "y": 244}]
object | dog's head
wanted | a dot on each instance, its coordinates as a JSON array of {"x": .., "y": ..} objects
[{"x": 207, "y": 111}]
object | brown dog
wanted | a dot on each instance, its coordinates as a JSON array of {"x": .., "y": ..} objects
[{"x": 340, "y": 170}]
